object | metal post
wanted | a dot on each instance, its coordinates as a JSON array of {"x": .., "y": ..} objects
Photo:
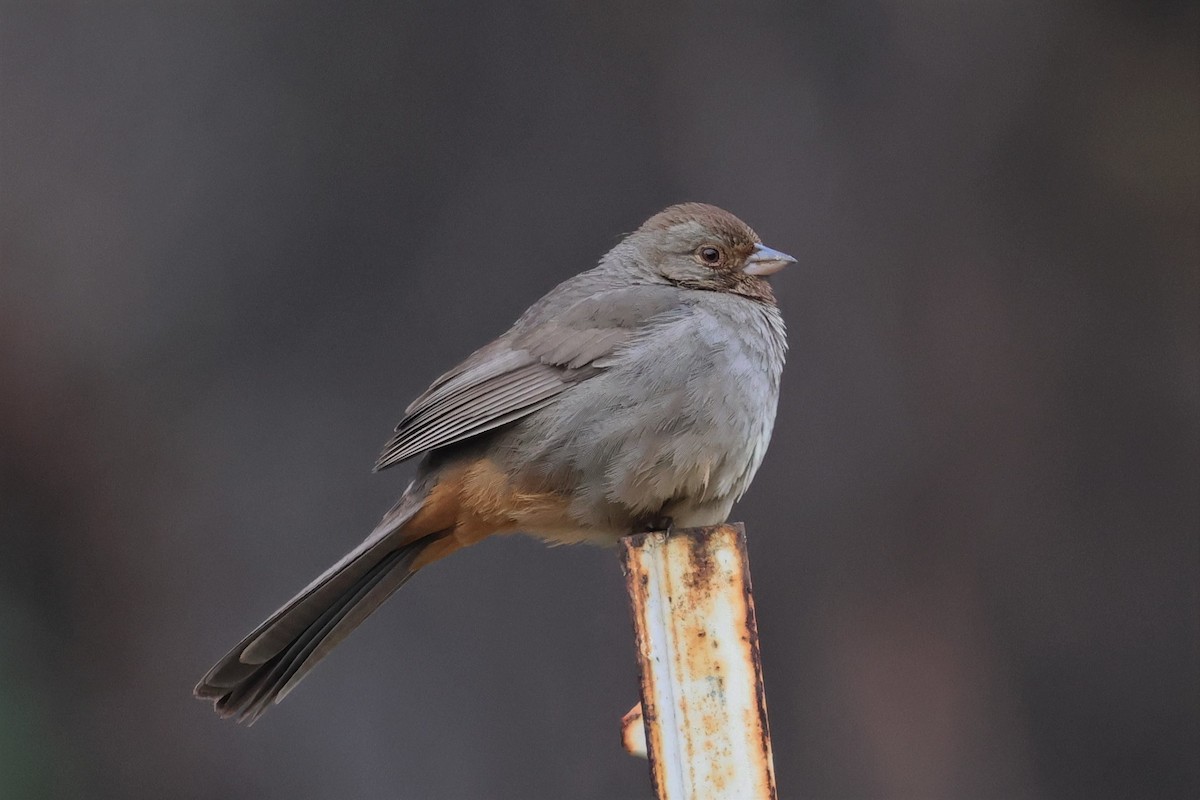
[{"x": 704, "y": 712}]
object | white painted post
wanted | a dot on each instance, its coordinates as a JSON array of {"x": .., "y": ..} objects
[{"x": 703, "y": 708}]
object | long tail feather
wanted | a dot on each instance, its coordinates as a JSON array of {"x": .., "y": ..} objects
[
  {"x": 269, "y": 662},
  {"x": 273, "y": 679}
]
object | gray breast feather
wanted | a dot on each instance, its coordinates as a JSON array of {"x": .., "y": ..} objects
[{"x": 680, "y": 414}]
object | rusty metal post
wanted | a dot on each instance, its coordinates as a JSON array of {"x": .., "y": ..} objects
[{"x": 703, "y": 708}]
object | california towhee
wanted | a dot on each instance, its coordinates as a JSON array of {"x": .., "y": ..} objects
[{"x": 635, "y": 396}]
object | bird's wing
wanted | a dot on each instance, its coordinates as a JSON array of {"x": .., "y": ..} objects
[{"x": 525, "y": 369}]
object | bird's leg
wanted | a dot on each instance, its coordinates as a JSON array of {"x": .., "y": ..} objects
[{"x": 655, "y": 524}]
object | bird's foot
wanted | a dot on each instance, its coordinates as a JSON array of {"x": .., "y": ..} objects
[{"x": 656, "y": 525}]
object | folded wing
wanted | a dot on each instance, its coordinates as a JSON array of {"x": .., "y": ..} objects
[{"x": 524, "y": 370}]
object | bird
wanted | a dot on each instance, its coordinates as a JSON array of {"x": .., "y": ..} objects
[{"x": 636, "y": 396}]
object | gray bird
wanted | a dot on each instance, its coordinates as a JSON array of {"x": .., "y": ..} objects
[{"x": 635, "y": 396}]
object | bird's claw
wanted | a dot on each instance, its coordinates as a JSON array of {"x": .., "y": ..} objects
[{"x": 658, "y": 525}]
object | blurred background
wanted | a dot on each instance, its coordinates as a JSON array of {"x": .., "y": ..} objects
[{"x": 238, "y": 238}]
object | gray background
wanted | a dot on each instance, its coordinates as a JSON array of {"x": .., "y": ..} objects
[{"x": 237, "y": 238}]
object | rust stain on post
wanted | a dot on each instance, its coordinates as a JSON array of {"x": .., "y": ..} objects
[
  {"x": 703, "y": 706},
  {"x": 633, "y": 732}
]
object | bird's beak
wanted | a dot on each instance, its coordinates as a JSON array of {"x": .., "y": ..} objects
[{"x": 765, "y": 261}]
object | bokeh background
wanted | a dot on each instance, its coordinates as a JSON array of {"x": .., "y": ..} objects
[{"x": 237, "y": 238}]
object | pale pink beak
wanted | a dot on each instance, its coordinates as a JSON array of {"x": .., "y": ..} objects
[{"x": 765, "y": 261}]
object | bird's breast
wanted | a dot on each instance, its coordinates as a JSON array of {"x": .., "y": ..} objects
[{"x": 679, "y": 419}]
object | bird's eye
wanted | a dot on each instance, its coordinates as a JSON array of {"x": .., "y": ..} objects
[{"x": 710, "y": 255}]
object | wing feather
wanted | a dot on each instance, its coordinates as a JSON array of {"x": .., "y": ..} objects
[
  {"x": 481, "y": 412},
  {"x": 526, "y": 369}
]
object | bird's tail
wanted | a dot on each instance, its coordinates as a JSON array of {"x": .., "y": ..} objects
[{"x": 268, "y": 663}]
